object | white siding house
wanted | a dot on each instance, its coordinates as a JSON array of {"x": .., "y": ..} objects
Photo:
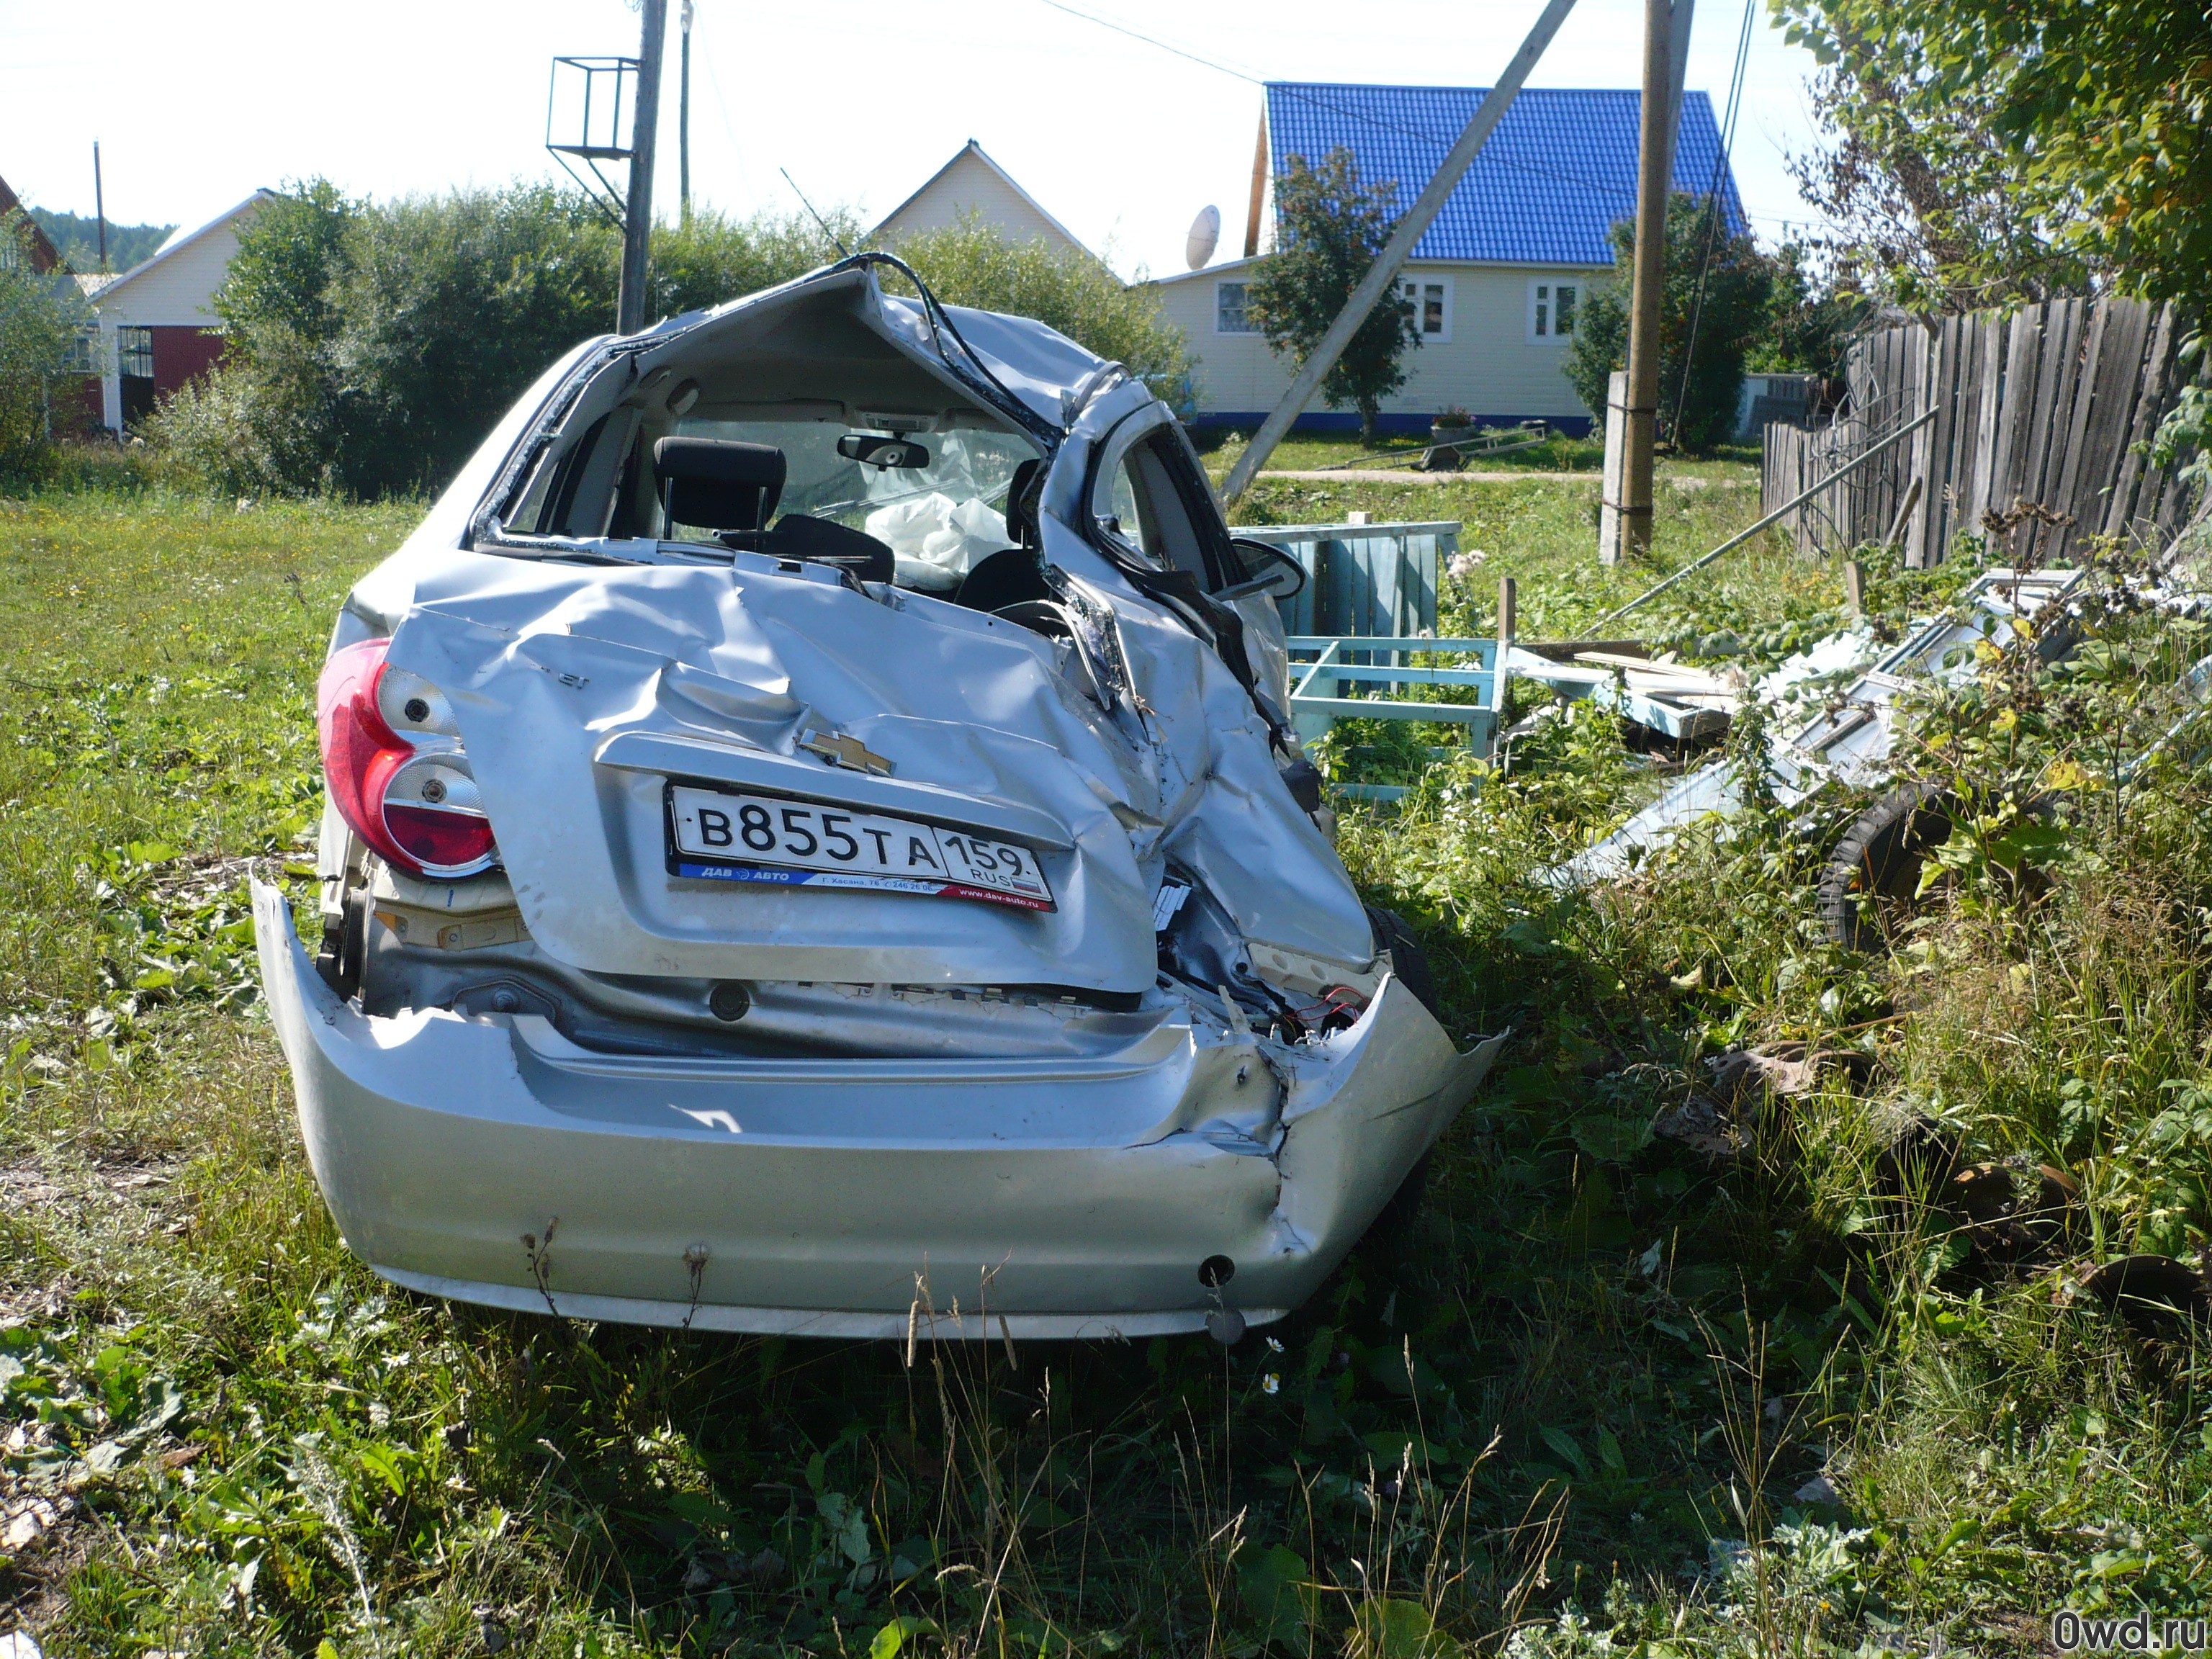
[
  {"x": 1482, "y": 349},
  {"x": 1499, "y": 278},
  {"x": 156, "y": 322}
]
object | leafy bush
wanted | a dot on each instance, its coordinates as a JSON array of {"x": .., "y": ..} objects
[
  {"x": 373, "y": 343},
  {"x": 38, "y": 320},
  {"x": 711, "y": 258}
]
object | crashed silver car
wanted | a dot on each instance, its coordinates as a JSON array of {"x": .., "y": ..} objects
[{"x": 814, "y": 845}]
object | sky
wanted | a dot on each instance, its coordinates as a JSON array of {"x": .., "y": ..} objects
[{"x": 1123, "y": 141}]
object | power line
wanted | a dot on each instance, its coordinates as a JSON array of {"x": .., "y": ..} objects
[
  {"x": 1712, "y": 218},
  {"x": 1291, "y": 89}
]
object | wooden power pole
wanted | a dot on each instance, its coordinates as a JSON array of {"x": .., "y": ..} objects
[
  {"x": 637, "y": 212},
  {"x": 683, "y": 120},
  {"x": 1625, "y": 515}
]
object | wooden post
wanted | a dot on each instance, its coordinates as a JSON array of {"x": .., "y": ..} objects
[
  {"x": 1508, "y": 598},
  {"x": 1611, "y": 546},
  {"x": 1855, "y": 588},
  {"x": 637, "y": 210},
  {"x": 1644, "y": 293},
  {"x": 1897, "y": 526}
]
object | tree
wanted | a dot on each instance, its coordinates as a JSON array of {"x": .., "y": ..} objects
[
  {"x": 1733, "y": 316},
  {"x": 41, "y": 314},
  {"x": 1330, "y": 228},
  {"x": 969, "y": 264},
  {"x": 266, "y": 419},
  {"x": 1927, "y": 201},
  {"x": 372, "y": 345},
  {"x": 1993, "y": 149}
]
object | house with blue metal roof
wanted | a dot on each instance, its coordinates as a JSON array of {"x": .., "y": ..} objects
[{"x": 1497, "y": 281}]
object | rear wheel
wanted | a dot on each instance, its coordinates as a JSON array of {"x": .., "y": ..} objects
[
  {"x": 1410, "y": 962},
  {"x": 1874, "y": 875}
]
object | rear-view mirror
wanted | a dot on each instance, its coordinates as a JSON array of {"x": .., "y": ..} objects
[{"x": 871, "y": 450}]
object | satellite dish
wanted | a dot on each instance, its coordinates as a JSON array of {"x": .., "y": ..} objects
[{"x": 1204, "y": 233}]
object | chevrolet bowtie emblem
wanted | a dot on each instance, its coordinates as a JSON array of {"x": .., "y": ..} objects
[{"x": 850, "y": 752}]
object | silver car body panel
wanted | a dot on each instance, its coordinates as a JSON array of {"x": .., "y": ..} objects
[
  {"x": 1020, "y": 1106},
  {"x": 1070, "y": 1196}
]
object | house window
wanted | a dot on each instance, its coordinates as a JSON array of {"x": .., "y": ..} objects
[
  {"x": 1551, "y": 307},
  {"x": 1430, "y": 299},
  {"x": 81, "y": 360},
  {"x": 1229, "y": 316},
  {"x": 134, "y": 353}
]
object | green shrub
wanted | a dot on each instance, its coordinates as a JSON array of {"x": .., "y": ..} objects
[
  {"x": 39, "y": 315},
  {"x": 710, "y": 257}
]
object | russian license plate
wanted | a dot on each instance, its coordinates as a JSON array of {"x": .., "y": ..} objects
[{"x": 719, "y": 836}]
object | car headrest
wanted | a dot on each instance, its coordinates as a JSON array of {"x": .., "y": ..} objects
[
  {"x": 718, "y": 484},
  {"x": 1021, "y": 504}
]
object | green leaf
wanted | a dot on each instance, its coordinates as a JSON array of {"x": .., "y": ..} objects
[
  {"x": 1391, "y": 1447},
  {"x": 1278, "y": 1590},
  {"x": 1403, "y": 1630},
  {"x": 891, "y": 1641},
  {"x": 1960, "y": 1532},
  {"x": 383, "y": 1462},
  {"x": 1612, "y": 1140},
  {"x": 324, "y": 1650},
  {"x": 1563, "y": 1443}
]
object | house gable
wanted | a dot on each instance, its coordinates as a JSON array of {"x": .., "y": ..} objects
[{"x": 971, "y": 182}]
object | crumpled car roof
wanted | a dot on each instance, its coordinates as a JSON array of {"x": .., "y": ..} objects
[{"x": 1037, "y": 363}]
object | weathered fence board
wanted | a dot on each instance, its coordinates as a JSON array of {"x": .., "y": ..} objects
[{"x": 2042, "y": 417}]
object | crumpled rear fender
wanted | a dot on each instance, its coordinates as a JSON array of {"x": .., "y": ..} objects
[{"x": 1074, "y": 1197}]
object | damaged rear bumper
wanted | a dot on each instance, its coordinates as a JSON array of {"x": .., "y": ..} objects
[{"x": 1066, "y": 1197}]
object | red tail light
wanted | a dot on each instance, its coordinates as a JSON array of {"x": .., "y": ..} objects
[{"x": 392, "y": 757}]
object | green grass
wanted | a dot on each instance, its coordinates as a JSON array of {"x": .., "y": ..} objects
[
  {"x": 1558, "y": 453},
  {"x": 1574, "y": 1400}
]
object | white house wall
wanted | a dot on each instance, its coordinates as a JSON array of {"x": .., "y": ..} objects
[
  {"x": 1489, "y": 367},
  {"x": 972, "y": 185},
  {"x": 179, "y": 291},
  {"x": 176, "y": 291}
]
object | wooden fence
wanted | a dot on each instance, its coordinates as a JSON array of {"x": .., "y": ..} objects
[{"x": 2042, "y": 415}]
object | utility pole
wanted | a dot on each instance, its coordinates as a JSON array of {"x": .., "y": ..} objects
[
  {"x": 683, "y": 118},
  {"x": 637, "y": 215},
  {"x": 100, "y": 205},
  {"x": 1624, "y": 519}
]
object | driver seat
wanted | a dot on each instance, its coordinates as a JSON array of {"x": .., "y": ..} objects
[{"x": 731, "y": 489}]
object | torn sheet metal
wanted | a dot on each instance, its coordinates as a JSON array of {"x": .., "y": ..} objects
[{"x": 1847, "y": 739}]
